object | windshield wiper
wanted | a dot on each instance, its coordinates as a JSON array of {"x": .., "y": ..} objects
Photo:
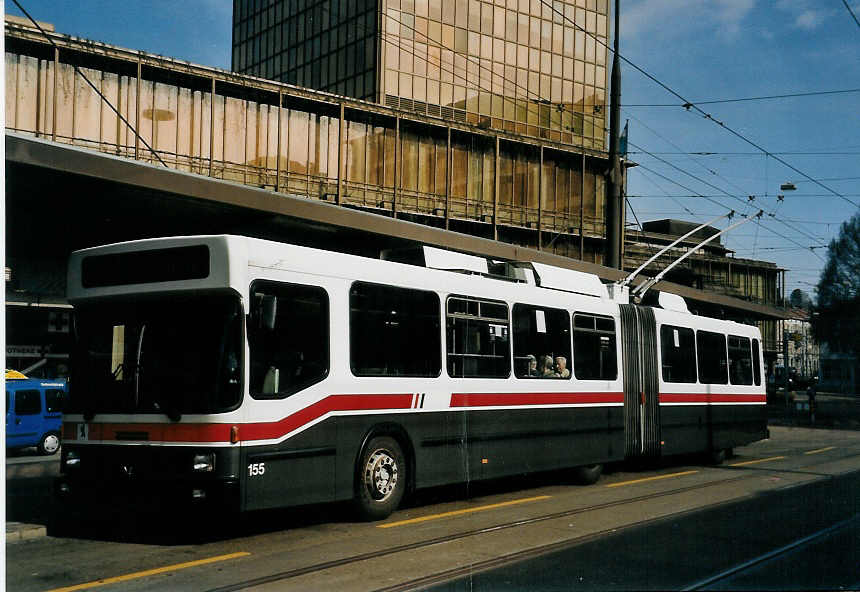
[{"x": 171, "y": 412}]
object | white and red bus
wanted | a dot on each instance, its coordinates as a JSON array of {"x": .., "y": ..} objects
[{"x": 257, "y": 374}]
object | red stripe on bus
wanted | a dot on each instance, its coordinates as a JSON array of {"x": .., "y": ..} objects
[
  {"x": 524, "y": 399},
  {"x": 710, "y": 398},
  {"x": 220, "y": 432},
  {"x": 269, "y": 431}
]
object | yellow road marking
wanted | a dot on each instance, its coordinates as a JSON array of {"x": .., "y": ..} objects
[
  {"x": 820, "y": 450},
  {"x": 753, "y": 462},
  {"x": 150, "y": 572},
  {"x": 466, "y": 511},
  {"x": 657, "y": 478}
]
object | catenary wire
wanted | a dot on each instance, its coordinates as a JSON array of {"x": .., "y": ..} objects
[
  {"x": 690, "y": 105},
  {"x": 715, "y": 202},
  {"x": 744, "y": 99},
  {"x": 711, "y": 185},
  {"x": 851, "y": 12}
]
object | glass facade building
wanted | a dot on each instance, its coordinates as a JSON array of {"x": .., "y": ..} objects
[{"x": 532, "y": 67}]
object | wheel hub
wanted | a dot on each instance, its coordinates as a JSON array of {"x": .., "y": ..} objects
[
  {"x": 52, "y": 443},
  {"x": 380, "y": 475}
]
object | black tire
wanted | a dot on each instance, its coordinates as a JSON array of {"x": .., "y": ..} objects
[
  {"x": 587, "y": 475},
  {"x": 380, "y": 479},
  {"x": 717, "y": 457},
  {"x": 49, "y": 444}
]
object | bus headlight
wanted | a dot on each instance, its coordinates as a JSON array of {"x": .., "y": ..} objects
[
  {"x": 204, "y": 462},
  {"x": 72, "y": 460}
]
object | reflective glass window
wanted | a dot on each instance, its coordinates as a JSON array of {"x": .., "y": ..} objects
[
  {"x": 677, "y": 354},
  {"x": 711, "y": 352}
]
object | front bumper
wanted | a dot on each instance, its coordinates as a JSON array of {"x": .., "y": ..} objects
[{"x": 183, "y": 494}]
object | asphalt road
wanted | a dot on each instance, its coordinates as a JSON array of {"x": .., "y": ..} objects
[
  {"x": 667, "y": 526},
  {"x": 691, "y": 549}
]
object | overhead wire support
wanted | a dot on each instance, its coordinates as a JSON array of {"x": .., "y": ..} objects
[
  {"x": 640, "y": 290},
  {"x": 93, "y": 86}
]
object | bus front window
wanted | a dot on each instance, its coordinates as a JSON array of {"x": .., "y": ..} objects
[{"x": 170, "y": 356}]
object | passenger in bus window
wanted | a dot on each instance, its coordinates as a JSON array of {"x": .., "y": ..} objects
[
  {"x": 533, "y": 369},
  {"x": 546, "y": 369},
  {"x": 561, "y": 367}
]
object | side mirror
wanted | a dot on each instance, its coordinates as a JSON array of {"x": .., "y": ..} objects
[{"x": 267, "y": 311}]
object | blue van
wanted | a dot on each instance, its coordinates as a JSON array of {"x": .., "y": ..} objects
[{"x": 34, "y": 413}]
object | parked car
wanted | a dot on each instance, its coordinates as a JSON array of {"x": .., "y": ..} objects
[{"x": 34, "y": 413}]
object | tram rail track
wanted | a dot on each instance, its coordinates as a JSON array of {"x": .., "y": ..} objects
[
  {"x": 756, "y": 562},
  {"x": 517, "y": 556}
]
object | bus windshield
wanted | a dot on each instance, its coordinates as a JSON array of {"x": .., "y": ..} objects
[{"x": 165, "y": 356}]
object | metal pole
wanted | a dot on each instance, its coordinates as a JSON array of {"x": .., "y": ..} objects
[
  {"x": 278, "y": 149},
  {"x": 448, "y": 177},
  {"x": 137, "y": 113},
  {"x": 56, "y": 100},
  {"x": 614, "y": 206},
  {"x": 496, "y": 192},
  {"x": 341, "y": 145},
  {"x": 212, "y": 126},
  {"x": 540, "y": 203},
  {"x": 582, "y": 210},
  {"x": 398, "y": 170}
]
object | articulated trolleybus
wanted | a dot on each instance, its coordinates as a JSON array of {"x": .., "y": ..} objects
[{"x": 253, "y": 374}]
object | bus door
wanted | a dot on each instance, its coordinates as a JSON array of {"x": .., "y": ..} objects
[
  {"x": 641, "y": 387},
  {"x": 23, "y": 417}
]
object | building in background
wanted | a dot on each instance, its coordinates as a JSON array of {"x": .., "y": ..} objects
[
  {"x": 534, "y": 67},
  {"x": 536, "y": 183},
  {"x": 804, "y": 353}
]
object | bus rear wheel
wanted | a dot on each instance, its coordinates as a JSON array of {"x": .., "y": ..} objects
[
  {"x": 380, "y": 478},
  {"x": 588, "y": 474}
]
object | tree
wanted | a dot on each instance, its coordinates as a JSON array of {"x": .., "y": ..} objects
[
  {"x": 800, "y": 299},
  {"x": 837, "y": 321}
]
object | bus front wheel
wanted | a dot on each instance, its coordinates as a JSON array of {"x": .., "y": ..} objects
[{"x": 380, "y": 478}]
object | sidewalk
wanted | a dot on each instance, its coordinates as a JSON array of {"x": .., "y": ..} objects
[{"x": 19, "y": 531}]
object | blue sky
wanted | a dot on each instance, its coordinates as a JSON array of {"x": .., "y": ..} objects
[{"x": 705, "y": 50}]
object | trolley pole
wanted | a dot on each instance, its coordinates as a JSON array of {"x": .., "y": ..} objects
[{"x": 614, "y": 180}]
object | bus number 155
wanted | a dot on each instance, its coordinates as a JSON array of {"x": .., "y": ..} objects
[{"x": 256, "y": 469}]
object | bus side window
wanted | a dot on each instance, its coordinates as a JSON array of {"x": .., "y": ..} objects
[
  {"x": 394, "y": 331},
  {"x": 288, "y": 337},
  {"x": 540, "y": 332},
  {"x": 740, "y": 361},
  {"x": 756, "y": 362},
  {"x": 594, "y": 356},
  {"x": 477, "y": 334},
  {"x": 711, "y": 351},
  {"x": 678, "y": 354}
]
